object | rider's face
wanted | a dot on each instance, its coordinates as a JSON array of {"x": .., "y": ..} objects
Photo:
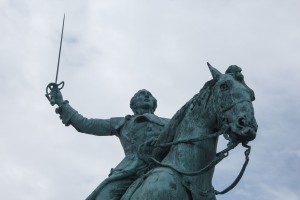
[{"x": 144, "y": 99}]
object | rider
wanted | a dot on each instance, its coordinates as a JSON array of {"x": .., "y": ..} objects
[{"x": 132, "y": 130}]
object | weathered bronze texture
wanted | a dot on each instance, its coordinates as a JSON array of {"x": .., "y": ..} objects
[{"x": 173, "y": 159}]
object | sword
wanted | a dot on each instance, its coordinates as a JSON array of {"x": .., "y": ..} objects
[{"x": 52, "y": 88}]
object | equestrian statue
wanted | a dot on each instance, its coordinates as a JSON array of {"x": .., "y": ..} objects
[{"x": 167, "y": 159}]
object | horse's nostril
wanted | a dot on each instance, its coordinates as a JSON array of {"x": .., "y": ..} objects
[{"x": 241, "y": 121}]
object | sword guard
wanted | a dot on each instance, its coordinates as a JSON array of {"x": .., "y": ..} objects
[{"x": 52, "y": 89}]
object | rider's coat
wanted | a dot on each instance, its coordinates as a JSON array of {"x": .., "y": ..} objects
[{"x": 132, "y": 132}]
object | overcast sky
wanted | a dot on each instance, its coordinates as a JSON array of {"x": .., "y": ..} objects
[{"x": 111, "y": 49}]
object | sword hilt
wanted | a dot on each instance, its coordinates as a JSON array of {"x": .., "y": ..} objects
[{"x": 51, "y": 91}]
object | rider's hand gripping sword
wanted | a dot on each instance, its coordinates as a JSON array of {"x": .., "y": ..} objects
[{"x": 52, "y": 88}]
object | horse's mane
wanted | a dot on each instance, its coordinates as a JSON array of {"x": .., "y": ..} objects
[{"x": 200, "y": 99}]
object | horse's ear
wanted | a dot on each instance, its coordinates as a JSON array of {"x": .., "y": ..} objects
[{"x": 214, "y": 72}]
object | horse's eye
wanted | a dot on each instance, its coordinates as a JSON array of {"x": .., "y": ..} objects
[{"x": 224, "y": 86}]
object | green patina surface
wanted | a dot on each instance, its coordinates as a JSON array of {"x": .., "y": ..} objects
[{"x": 170, "y": 158}]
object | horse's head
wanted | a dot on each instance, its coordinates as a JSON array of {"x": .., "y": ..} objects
[{"x": 232, "y": 104}]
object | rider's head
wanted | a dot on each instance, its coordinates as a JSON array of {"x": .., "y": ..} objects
[{"x": 143, "y": 102}]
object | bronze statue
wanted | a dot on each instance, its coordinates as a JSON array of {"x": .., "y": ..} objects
[
  {"x": 175, "y": 162},
  {"x": 171, "y": 159}
]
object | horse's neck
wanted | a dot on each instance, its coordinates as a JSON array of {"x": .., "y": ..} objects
[
  {"x": 196, "y": 155},
  {"x": 193, "y": 157}
]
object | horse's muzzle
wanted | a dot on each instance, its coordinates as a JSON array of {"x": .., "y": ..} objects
[{"x": 243, "y": 130}]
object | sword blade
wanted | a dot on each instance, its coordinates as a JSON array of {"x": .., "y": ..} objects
[{"x": 61, "y": 37}]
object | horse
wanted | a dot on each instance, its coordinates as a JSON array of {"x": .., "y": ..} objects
[{"x": 185, "y": 154}]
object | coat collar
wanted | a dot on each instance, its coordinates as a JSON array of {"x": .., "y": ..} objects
[{"x": 148, "y": 117}]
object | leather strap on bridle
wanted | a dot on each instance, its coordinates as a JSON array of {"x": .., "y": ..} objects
[
  {"x": 220, "y": 156},
  {"x": 238, "y": 178}
]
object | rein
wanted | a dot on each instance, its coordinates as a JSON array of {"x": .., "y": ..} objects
[
  {"x": 192, "y": 140},
  {"x": 240, "y": 175},
  {"x": 219, "y": 157}
]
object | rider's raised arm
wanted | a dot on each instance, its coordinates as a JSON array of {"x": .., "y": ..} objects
[
  {"x": 69, "y": 115},
  {"x": 99, "y": 127}
]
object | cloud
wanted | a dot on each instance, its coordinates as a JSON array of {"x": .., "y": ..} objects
[{"x": 110, "y": 50}]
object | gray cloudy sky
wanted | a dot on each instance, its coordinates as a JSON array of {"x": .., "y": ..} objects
[{"x": 111, "y": 49}]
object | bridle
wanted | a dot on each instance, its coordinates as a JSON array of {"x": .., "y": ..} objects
[{"x": 219, "y": 156}]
